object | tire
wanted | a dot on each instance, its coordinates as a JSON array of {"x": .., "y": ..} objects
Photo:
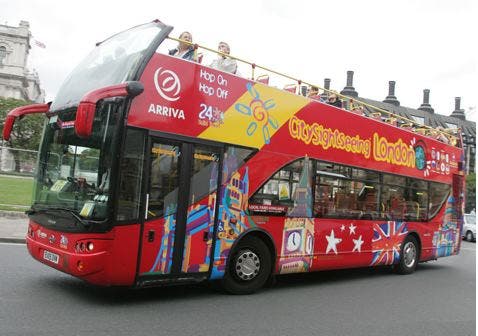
[
  {"x": 409, "y": 256},
  {"x": 469, "y": 236},
  {"x": 249, "y": 267}
]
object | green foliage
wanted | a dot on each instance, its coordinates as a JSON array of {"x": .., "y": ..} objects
[
  {"x": 470, "y": 192},
  {"x": 89, "y": 159},
  {"x": 26, "y": 133}
]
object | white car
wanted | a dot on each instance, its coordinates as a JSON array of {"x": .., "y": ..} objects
[{"x": 469, "y": 227}]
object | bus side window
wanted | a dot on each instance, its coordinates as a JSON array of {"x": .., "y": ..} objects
[
  {"x": 287, "y": 193},
  {"x": 438, "y": 195},
  {"x": 395, "y": 206},
  {"x": 130, "y": 176},
  {"x": 164, "y": 180},
  {"x": 345, "y": 192}
]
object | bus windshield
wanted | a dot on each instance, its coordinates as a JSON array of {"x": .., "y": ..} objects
[
  {"x": 74, "y": 173},
  {"x": 111, "y": 62}
]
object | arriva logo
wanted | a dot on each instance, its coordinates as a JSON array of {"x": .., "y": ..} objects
[{"x": 167, "y": 84}]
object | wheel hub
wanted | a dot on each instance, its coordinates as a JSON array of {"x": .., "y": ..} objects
[
  {"x": 247, "y": 265},
  {"x": 410, "y": 254}
]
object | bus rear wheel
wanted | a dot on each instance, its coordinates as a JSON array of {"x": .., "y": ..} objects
[
  {"x": 409, "y": 256},
  {"x": 249, "y": 266}
]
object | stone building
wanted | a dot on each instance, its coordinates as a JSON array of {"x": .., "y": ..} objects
[{"x": 16, "y": 80}]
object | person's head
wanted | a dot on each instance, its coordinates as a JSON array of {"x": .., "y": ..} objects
[
  {"x": 224, "y": 48},
  {"x": 185, "y": 36},
  {"x": 314, "y": 90},
  {"x": 333, "y": 97}
]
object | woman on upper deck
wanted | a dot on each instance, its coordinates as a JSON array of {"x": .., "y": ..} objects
[
  {"x": 184, "y": 50},
  {"x": 334, "y": 100}
]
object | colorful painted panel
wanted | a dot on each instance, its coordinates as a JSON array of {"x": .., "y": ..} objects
[
  {"x": 447, "y": 239},
  {"x": 197, "y": 246},
  {"x": 163, "y": 261},
  {"x": 386, "y": 242},
  {"x": 297, "y": 245}
]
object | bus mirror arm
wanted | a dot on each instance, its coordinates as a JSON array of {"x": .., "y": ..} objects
[
  {"x": 19, "y": 113},
  {"x": 86, "y": 109}
]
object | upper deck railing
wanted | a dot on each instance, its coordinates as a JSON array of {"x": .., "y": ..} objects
[{"x": 353, "y": 105}]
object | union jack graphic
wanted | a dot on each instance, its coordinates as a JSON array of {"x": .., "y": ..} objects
[{"x": 386, "y": 242}]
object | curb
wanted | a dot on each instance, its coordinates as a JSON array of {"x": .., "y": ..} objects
[
  {"x": 12, "y": 214},
  {"x": 13, "y": 240}
]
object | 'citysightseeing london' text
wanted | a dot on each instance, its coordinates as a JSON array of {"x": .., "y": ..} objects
[{"x": 396, "y": 153}]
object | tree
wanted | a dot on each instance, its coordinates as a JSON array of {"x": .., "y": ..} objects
[
  {"x": 470, "y": 192},
  {"x": 26, "y": 133},
  {"x": 89, "y": 159}
]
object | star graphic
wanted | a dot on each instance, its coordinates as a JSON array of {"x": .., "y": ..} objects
[
  {"x": 352, "y": 228},
  {"x": 342, "y": 228},
  {"x": 332, "y": 242},
  {"x": 358, "y": 244}
]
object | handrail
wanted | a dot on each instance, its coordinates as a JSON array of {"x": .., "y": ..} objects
[{"x": 452, "y": 138}]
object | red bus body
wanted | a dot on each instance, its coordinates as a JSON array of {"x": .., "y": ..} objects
[{"x": 178, "y": 99}]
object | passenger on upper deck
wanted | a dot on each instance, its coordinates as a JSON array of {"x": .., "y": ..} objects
[
  {"x": 334, "y": 100},
  {"x": 358, "y": 109},
  {"x": 223, "y": 62},
  {"x": 184, "y": 50},
  {"x": 440, "y": 136},
  {"x": 313, "y": 93}
]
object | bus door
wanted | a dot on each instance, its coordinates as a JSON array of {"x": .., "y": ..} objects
[{"x": 180, "y": 209}]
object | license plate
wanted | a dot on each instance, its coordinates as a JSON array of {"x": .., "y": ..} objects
[{"x": 54, "y": 258}]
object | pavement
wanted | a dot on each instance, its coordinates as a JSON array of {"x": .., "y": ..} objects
[{"x": 13, "y": 227}]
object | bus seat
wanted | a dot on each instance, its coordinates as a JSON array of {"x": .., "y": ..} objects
[
  {"x": 341, "y": 201},
  {"x": 291, "y": 88},
  {"x": 200, "y": 57},
  {"x": 413, "y": 210},
  {"x": 264, "y": 79}
]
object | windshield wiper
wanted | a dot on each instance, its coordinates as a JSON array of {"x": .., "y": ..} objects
[{"x": 33, "y": 211}]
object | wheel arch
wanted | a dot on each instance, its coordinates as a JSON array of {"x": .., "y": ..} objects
[{"x": 261, "y": 234}]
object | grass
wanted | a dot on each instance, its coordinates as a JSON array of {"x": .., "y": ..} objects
[
  {"x": 15, "y": 208},
  {"x": 15, "y": 193}
]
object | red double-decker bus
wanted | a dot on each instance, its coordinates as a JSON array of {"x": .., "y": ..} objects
[{"x": 155, "y": 170}]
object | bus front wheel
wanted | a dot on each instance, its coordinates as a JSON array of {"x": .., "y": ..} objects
[
  {"x": 409, "y": 256},
  {"x": 249, "y": 266}
]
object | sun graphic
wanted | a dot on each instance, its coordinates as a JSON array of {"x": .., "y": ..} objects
[
  {"x": 259, "y": 111},
  {"x": 420, "y": 157}
]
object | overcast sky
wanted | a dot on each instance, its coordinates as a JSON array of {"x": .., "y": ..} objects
[{"x": 422, "y": 44}]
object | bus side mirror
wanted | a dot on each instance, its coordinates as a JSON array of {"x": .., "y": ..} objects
[
  {"x": 20, "y": 112},
  {"x": 85, "y": 113}
]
